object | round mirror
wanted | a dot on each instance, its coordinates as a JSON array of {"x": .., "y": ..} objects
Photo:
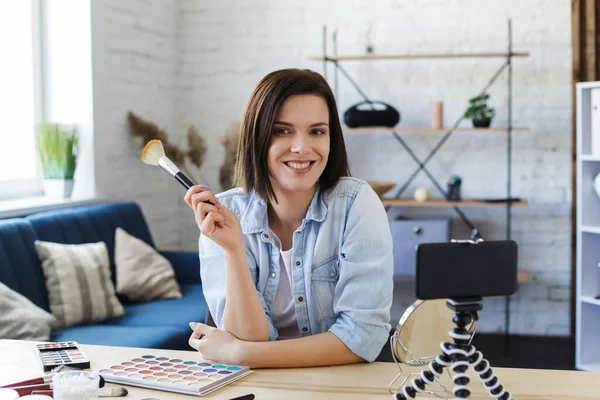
[{"x": 422, "y": 328}]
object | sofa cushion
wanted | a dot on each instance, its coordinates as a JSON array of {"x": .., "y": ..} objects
[
  {"x": 91, "y": 224},
  {"x": 21, "y": 319},
  {"x": 156, "y": 337},
  {"x": 186, "y": 265},
  {"x": 20, "y": 267},
  {"x": 143, "y": 274},
  {"x": 78, "y": 282},
  {"x": 176, "y": 313}
]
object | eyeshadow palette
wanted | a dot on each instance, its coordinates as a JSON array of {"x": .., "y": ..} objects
[
  {"x": 173, "y": 374},
  {"x": 61, "y": 353}
]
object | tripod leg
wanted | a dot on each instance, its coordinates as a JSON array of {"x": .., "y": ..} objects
[
  {"x": 435, "y": 370},
  {"x": 486, "y": 374},
  {"x": 459, "y": 352},
  {"x": 459, "y": 366}
]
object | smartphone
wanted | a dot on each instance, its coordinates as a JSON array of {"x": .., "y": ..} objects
[{"x": 466, "y": 269}]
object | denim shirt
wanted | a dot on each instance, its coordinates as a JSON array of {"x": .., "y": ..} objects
[{"x": 342, "y": 264}]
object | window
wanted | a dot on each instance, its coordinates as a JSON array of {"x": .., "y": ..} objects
[{"x": 19, "y": 91}]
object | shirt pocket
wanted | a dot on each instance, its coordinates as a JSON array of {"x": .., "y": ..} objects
[{"x": 324, "y": 277}]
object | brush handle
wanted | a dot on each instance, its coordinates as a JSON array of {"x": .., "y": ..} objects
[
  {"x": 187, "y": 183},
  {"x": 43, "y": 392},
  {"x": 184, "y": 180},
  {"x": 29, "y": 382},
  {"x": 25, "y": 390}
]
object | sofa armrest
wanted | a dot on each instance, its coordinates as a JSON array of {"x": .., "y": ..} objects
[{"x": 186, "y": 265}]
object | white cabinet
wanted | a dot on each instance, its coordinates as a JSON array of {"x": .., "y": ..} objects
[{"x": 587, "y": 337}]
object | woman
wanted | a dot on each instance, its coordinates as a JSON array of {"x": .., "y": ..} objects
[{"x": 300, "y": 251}]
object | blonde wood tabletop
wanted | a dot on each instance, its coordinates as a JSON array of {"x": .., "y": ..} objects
[{"x": 363, "y": 381}]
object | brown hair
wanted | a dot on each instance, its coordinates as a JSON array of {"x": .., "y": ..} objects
[{"x": 251, "y": 168}]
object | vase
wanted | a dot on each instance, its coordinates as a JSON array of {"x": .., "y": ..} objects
[
  {"x": 58, "y": 188},
  {"x": 482, "y": 123},
  {"x": 437, "y": 115}
]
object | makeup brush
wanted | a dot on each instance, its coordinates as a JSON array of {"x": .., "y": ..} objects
[
  {"x": 104, "y": 392},
  {"x": 46, "y": 388},
  {"x": 47, "y": 378},
  {"x": 154, "y": 154}
]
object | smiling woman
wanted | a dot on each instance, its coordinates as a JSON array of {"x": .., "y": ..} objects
[
  {"x": 299, "y": 251},
  {"x": 299, "y": 147}
]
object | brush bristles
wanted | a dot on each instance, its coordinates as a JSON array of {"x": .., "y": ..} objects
[
  {"x": 113, "y": 392},
  {"x": 152, "y": 152}
]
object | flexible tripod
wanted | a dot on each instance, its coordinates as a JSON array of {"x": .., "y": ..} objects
[{"x": 459, "y": 357}]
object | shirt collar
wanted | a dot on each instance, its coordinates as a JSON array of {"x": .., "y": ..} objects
[{"x": 255, "y": 217}]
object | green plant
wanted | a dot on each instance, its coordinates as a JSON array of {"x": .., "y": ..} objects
[
  {"x": 478, "y": 108},
  {"x": 57, "y": 147}
]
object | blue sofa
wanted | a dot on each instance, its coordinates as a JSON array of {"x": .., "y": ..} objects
[{"x": 155, "y": 324}]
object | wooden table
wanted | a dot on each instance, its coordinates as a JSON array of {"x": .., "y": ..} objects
[{"x": 351, "y": 382}]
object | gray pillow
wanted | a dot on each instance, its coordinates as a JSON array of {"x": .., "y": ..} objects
[
  {"x": 21, "y": 319},
  {"x": 143, "y": 274}
]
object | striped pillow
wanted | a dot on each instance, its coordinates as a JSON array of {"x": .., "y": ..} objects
[{"x": 78, "y": 281}]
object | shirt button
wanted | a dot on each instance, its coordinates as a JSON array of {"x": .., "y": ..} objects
[
  {"x": 300, "y": 298},
  {"x": 273, "y": 275},
  {"x": 298, "y": 263},
  {"x": 332, "y": 274},
  {"x": 305, "y": 329},
  {"x": 266, "y": 236}
]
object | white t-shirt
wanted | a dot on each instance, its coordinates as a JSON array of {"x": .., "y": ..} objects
[{"x": 284, "y": 308}]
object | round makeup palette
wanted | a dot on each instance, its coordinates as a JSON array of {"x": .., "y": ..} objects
[{"x": 173, "y": 374}]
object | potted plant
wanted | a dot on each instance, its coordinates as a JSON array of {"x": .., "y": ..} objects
[
  {"x": 480, "y": 113},
  {"x": 57, "y": 147}
]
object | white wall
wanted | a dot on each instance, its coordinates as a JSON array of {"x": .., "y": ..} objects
[
  {"x": 196, "y": 62},
  {"x": 135, "y": 57}
]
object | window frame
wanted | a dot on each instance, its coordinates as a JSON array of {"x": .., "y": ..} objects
[{"x": 31, "y": 187}]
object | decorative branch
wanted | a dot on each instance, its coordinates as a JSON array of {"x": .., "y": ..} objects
[{"x": 147, "y": 130}]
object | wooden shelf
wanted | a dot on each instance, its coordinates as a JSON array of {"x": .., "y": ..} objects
[
  {"x": 522, "y": 277},
  {"x": 379, "y": 129},
  {"x": 420, "y": 56},
  {"x": 408, "y": 202},
  {"x": 590, "y": 229},
  {"x": 589, "y": 366},
  {"x": 590, "y": 300},
  {"x": 588, "y": 157}
]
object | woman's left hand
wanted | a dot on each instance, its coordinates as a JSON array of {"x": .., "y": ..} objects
[{"x": 216, "y": 345}]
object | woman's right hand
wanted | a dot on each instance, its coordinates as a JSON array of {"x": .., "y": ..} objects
[{"x": 215, "y": 221}]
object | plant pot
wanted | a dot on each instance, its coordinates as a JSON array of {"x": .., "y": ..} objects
[
  {"x": 482, "y": 123},
  {"x": 58, "y": 188}
]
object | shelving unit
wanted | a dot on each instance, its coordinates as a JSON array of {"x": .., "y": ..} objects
[
  {"x": 420, "y": 56},
  {"x": 375, "y": 129},
  {"x": 440, "y": 203},
  {"x": 522, "y": 276},
  {"x": 587, "y": 286},
  {"x": 509, "y": 129}
]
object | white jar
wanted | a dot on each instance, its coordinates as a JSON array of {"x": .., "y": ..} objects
[
  {"x": 75, "y": 385},
  {"x": 8, "y": 394}
]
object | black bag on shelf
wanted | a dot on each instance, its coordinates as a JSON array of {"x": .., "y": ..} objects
[{"x": 374, "y": 113}]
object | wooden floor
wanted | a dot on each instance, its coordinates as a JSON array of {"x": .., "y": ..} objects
[{"x": 519, "y": 351}]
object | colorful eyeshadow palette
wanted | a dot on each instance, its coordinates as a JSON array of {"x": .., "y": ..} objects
[
  {"x": 61, "y": 353},
  {"x": 174, "y": 374}
]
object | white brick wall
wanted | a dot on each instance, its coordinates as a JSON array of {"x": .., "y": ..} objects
[
  {"x": 194, "y": 61},
  {"x": 134, "y": 55}
]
